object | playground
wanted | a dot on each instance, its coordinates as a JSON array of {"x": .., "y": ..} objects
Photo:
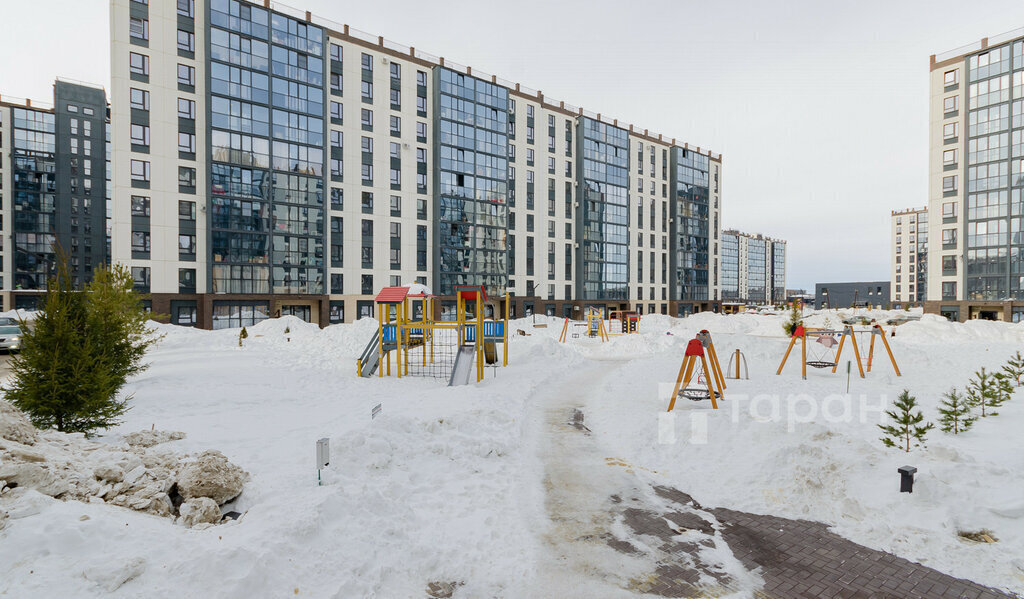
[{"x": 564, "y": 465}]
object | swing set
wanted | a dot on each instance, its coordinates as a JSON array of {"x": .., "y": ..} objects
[
  {"x": 710, "y": 374},
  {"x": 594, "y": 326},
  {"x": 827, "y": 356}
]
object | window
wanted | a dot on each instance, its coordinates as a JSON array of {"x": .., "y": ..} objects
[
  {"x": 140, "y": 170},
  {"x": 186, "y": 244},
  {"x": 949, "y": 290},
  {"x": 951, "y": 104},
  {"x": 337, "y": 112},
  {"x": 187, "y": 143},
  {"x": 367, "y": 119},
  {"x": 186, "y": 109},
  {"x": 366, "y": 143},
  {"x": 366, "y": 88},
  {"x": 186, "y": 75},
  {"x": 138, "y": 63},
  {"x": 367, "y": 171},
  {"x": 949, "y": 237},
  {"x": 186, "y": 8},
  {"x": 949, "y": 157},
  {"x": 950, "y": 130},
  {"x": 337, "y": 198},
  {"x": 186, "y": 41},
  {"x": 421, "y": 79},
  {"x": 396, "y": 205},
  {"x": 140, "y": 206},
  {"x": 396, "y": 126},
  {"x": 949, "y": 210},
  {"x": 140, "y": 241},
  {"x": 337, "y": 83},
  {"x": 138, "y": 28},
  {"x": 949, "y": 184},
  {"x": 421, "y": 131},
  {"x": 139, "y": 99},
  {"x": 951, "y": 77},
  {"x": 367, "y": 203},
  {"x": 187, "y": 314},
  {"x": 336, "y": 52},
  {"x": 396, "y": 99},
  {"x": 140, "y": 135},
  {"x": 367, "y": 62},
  {"x": 396, "y": 70},
  {"x": 396, "y": 178},
  {"x": 186, "y": 176},
  {"x": 186, "y": 210}
]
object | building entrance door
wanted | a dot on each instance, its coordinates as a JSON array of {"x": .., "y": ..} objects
[{"x": 302, "y": 312}]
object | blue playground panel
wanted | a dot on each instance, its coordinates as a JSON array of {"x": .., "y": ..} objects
[
  {"x": 389, "y": 333},
  {"x": 493, "y": 331}
]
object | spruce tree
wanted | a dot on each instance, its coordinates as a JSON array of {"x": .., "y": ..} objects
[
  {"x": 906, "y": 424},
  {"x": 795, "y": 320},
  {"x": 988, "y": 390},
  {"x": 119, "y": 322},
  {"x": 1014, "y": 368},
  {"x": 60, "y": 379},
  {"x": 242, "y": 335},
  {"x": 956, "y": 413}
]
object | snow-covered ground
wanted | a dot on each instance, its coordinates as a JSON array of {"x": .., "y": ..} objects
[{"x": 453, "y": 485}]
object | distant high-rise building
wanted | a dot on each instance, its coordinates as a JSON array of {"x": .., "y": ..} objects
[
  {"x": 267, "y": 161},
  {"x": 909, "y": 257},
  {"x": 753, "y": 268},
  {"x": 976, "y": 163},
  {"x": 53, "y": 189}
]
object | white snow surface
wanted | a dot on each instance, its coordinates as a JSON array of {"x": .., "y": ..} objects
[{"x": 447, "y": 484}]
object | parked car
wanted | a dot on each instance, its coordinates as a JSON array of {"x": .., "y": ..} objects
[
  {"x": 6, "y": 320},
  {"x": 10, "y": 338}
]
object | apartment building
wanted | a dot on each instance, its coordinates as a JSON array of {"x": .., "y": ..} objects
[
  {"x": 976, "y": 154},
  {"x": 909, "y": 257},
  {"x": 267, "y": 161},
  {"x": 53, "y": 187},
  {"x": 753, "y": 269}
]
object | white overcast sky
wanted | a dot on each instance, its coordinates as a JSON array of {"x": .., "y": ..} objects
[{"x": 819, "y": 108}]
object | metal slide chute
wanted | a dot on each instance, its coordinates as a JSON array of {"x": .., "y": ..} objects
[{"x": 465, "y": 360}]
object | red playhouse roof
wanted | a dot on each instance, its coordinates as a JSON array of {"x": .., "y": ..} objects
[
  {"x": 799, "y": 331},
  {"x": 391, "y": 295},
  {"x": 694, "y": 348},
  {"x": 469, "y": 292}
]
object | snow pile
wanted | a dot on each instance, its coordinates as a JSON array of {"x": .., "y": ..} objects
[{"x": 135, "y": 476}]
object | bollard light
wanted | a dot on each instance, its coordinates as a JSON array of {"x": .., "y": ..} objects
[{"x": 906, "y": 478}]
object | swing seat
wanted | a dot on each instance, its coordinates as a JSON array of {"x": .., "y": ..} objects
[
  {"x": 694, "y": 394},
  {"x": 821, "y": 364}
]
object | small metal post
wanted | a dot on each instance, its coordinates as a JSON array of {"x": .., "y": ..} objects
[
  {"x": 906, "y": 478},
  {"x": 848, "y": 376}
]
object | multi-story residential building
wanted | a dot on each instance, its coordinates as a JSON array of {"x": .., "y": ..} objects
[
  {"x": 753, "y": 269},
  {"x": 52, "y": 189},
  {"x": 271, "y": 162},
  {"x": 976, "y": 154},
  {"x": 909, "y": 257}
]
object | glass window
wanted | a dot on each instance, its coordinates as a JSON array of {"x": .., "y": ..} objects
[
  {"x": 367, "y": 90},
  {"x": 337, "y": 111},
  {"x": 949, "y": 183},
  {"x": 950, "y": 130},
  {"x": 367, "y": 118},
  {"x": 186, "y": 210},
  {"x": 140, "y": 206},
  {"x": 139, "y": 99},
  {"x": 138, "y": 63},
  {"x": 139, "y": 134},
  {"x": 186, "y": 41},
  {"x": 186, "y": 108},
  {"x": 949, "y": 210},
  {"x": 396, "y": 125},
  {"x": 950, "y": 156},
  {"x": 951, "y": 104},
  {"x": 187, "y": 142},
  {"x": 186, "y": 75},
  {"x": 138, "y": 28},
  {"x": 951, "y": 77}
]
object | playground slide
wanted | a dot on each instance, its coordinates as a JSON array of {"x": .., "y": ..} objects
[
  {"x": 465, "y": 360},
  {"x": 369, "y": 358}
]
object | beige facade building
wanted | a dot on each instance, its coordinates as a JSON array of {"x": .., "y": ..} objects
[{"x": 908, "y": 270}]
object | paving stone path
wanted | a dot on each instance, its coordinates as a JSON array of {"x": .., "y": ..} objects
[{"x": 613, "y": 534}]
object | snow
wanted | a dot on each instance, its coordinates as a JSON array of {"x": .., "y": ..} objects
[{"x": 461, "y": 485}]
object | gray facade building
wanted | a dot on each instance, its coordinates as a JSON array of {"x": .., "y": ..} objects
[
  {"x": 53, "y": 165},
  {"x": 873, "y": 294}
]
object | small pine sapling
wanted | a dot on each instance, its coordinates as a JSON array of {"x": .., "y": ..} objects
[
  {"x": 244, "y": 334},
  {"x": 906, "y": 425},
  {"x": 1014, "y": 368},
  {"x": 287, "y": 330},
  {"x": 795, "y": 319},
  {"x": 955, "y": 413},
  {"x": 988, "y": 390}
]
